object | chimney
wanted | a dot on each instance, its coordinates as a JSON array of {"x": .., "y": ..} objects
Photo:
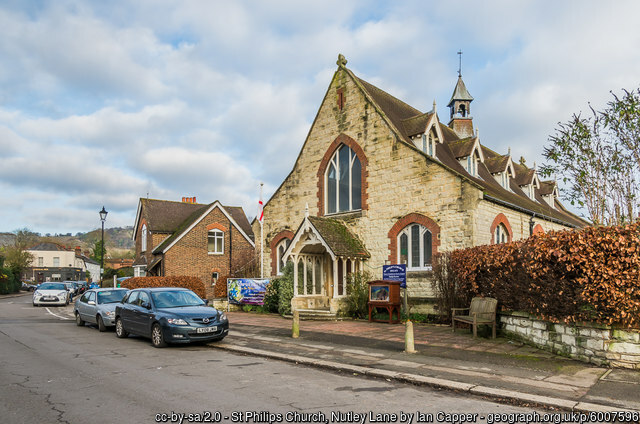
[
  {"x": 78, "y": 250},
  {"x": 184, "y": 200},
  {"x": 194, "y": 199}
]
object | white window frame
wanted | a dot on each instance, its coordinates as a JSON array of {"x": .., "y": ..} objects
[
  {"x": 56, "y": 261},
  {"x": 407, "y": 230},
  {"x": 217, "y": 234},
  {"x": 281, "y": 243},
  {"x": 335, "y": 162},
  {"x": 501, "y": 235},
  {"x": 140, "y": 271},
  {"x": 143, "y": 241}
]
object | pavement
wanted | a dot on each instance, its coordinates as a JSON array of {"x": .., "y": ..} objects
[{"x": 500, "y": 369}]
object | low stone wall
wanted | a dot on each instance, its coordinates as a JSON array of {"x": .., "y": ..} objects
[{"x": 588, "y": 342}]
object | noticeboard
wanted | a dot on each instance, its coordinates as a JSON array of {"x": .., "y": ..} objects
[
  {"x": 246, "y": 291},
  {"x": 395, "y": 273}
]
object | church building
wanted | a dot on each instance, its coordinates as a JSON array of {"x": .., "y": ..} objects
[{"x": 379, "y": 182}]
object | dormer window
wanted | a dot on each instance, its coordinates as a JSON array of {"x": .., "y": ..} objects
[
  {"x": 472, "y": 165},
  {"x": 428, "y": 143}
]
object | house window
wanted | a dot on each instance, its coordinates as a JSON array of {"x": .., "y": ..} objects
[
  {"x": 344, "y": 181},
  {"x": 214, "y": 278},
  {"x": 216, "y": 242},
  {"x": 415, "y": 245},
  {"x": 56, "y": 261},
  {"x": 40, "y": 261},
  {"x": 139, "y": 271},
  {"x": 143, "y": 248},
  {"x": 501, "y": 235},
  {"x": 282, "y": 247}
]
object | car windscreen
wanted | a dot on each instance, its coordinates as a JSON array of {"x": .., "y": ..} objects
[
  {"x": 111, "y": 296},
  {"x": 52, "y": 286},
  {"x": 175, "y": 299}
]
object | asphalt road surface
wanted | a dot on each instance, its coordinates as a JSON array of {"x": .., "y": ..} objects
[{"x": 52, "y": 371}]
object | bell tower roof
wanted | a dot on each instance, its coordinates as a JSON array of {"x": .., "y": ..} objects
[{"x": 460, "y": 93}]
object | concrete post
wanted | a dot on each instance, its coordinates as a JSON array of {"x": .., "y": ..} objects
[
  {"x": 295, "y": 328},
  {"x": 408, "y": 338}
]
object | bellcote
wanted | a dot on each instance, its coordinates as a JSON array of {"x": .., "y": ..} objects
[{"x": 460, "y": 107}]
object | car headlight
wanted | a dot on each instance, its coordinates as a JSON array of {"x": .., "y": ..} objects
[
  {"x": 222, "y": 316},
  {"x": 110, "y": 314},
  {"x": 61, "y": 294},
  {"x": 176, "y": 321}
]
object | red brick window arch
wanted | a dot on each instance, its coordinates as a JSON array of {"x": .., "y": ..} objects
[
  {"x": 278, "y": 245},
  {"x": 413, "y": 240},
  {"x": 501, "y": 230},
  {"x": 342, "y": 178},
  {"x": 538, "y": 229}
]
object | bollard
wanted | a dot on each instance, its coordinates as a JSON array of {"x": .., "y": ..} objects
[
  {"x": 295, "y": 329},
  {"x": 408, "y": 338}
]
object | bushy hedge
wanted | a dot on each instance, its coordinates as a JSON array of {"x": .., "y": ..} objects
[
  {"x": 587, "y": 275},
  {"x": 191, "y": 283},
  {"x": 220, "y": 289},
  {"x": 9, "y": 279}
]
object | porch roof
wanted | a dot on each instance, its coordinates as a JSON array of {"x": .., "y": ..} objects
[{"x": 338, "y": 238}]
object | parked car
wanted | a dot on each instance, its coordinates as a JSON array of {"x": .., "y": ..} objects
[
  {"x": 28, "y": 286},
  {"x": 83, "y": 286},
  {"x": 72, "y": 286},
  {"x": 97, "y": 306},
  {"x": 51, "y": 294},
  {"x": 169, "y": 315}
]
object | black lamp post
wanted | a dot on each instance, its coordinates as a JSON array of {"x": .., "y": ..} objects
[{"x": 103, "y": 217}]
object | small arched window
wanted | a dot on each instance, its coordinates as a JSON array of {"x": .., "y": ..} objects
[
  {"x": 281, "y": 248},
  {"x": 343, "y": 181},
  {"x": 215, "y": 242},
  {"x": 501, "y": 235},
  {"x": 415, "y": 246},
  {"x": 143, "y": 240}
]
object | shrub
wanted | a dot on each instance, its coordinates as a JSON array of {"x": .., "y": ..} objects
[
  {"x": 446, "y": 286},
  {"x": 192, "y": 283},
  {"x": 587, "y": 275},
  {"x": 272, "y": 295},
  {"x": 285, "y": 290},
  {"x": 358, "y": 294},
  {"x": 220, "y": 288}
]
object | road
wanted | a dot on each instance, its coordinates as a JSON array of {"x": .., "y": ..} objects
[{"x": 53, "y": 371}]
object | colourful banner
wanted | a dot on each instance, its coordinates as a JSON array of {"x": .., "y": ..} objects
[{"x": 246, "y": 291}]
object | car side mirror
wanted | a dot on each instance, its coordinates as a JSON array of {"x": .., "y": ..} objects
[
  {"x": 91, "y": 302},
  {"x": 206, "y": 302},
  {"x": 146, "y": 305}
]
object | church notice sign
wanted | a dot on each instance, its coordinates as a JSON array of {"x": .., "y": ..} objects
[{"x": 395, "y": 273}]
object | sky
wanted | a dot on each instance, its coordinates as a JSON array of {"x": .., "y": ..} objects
[{"x": 102, "y": 103}]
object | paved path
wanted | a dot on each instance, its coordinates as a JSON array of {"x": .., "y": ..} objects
[{"x": 497, "y": 368}]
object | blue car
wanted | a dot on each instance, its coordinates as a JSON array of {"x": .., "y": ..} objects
[{"x": 169, "y": 315}]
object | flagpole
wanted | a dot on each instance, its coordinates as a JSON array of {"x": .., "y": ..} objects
[{"x": 261, "y": 235}]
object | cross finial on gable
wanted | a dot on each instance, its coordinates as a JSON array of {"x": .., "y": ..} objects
[{"x": 342, "y": 61}]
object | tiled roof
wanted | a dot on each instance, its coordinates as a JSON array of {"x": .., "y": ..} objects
[
  {"x": 462, "y": 148},
  {"x": 49, "y": 247},
  {"x": 415, "y": 125},
  {"x": 236, "y": 212},
  {"x": 340, "y": 240},
  {"x": 524, "y": 175},
  {"x": 164, "y": 216},
  {"x": 142, "y": 260},
  {"x": 405, "y": 118},
  {"x": 497, "y": 164},
  {"x": 546, "y": 187}
]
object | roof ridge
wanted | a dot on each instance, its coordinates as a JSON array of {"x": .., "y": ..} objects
[{"x": 391, "y": 95}]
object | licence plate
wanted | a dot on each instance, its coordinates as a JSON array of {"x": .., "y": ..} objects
[
  {"x": 49, "y": 298},
  {"x": 206, "y": 330}
]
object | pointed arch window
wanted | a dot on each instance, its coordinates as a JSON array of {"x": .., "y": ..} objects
[
  {"x": 343, "y": 181},
  {"x": 415, "y": 247},
  {"x": 501, "y": 234}
]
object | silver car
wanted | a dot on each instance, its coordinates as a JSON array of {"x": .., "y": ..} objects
[{"x": 97, "y": 306}]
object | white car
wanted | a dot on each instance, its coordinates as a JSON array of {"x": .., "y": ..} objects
[{"x": 51, "y": 294}]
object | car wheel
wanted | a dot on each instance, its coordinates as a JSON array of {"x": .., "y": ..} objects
[
  {"x": 35, "y": 305},
  {"x": 157, "y": 338},
  {"x": 79, "y": 321},
  {"x": 120, "y": 331},
  {"x": 101, "y": 327}
]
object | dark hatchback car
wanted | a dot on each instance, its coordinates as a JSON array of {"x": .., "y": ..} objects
[{"x": 169, "y": 315}]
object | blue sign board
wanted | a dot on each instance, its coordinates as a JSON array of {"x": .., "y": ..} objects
[
  {"x": 395, "y": 273},
  {"x": 246, "y": 291}
]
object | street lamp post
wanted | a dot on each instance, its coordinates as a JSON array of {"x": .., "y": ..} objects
[{"x": 103, "y": 217}]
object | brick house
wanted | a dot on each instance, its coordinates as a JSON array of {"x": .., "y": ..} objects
[
  {"x": 207, "y": 241},
  {"x": 379, "y": 182}
]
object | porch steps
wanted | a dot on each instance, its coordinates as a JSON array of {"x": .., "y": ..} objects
[{"x": 322, "y": 314}]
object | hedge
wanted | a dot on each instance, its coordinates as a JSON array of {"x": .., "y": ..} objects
[
  {"x": 192, "y": 283},
  {"x": 569, "y": 276}
]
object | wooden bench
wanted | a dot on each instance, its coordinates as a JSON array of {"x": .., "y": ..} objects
[{"x": 481, "y": 311}]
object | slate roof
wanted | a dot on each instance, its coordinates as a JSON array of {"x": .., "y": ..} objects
[
  {"x": 49, "y": 247},
  {"x": 524, "y": 175},
  {"x": 460, "y": 92},
  {"x": 546, "y": 187},
  {"x": 416, "y": 125},
  {"x": 340, "y": 240},
  {"x": 164, "y": 216},
  {"x": 497, "y": 164},
  {"x": 462, "y": 148}
]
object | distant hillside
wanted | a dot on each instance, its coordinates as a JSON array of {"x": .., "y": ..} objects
[{"x": 117, "y": 241}]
